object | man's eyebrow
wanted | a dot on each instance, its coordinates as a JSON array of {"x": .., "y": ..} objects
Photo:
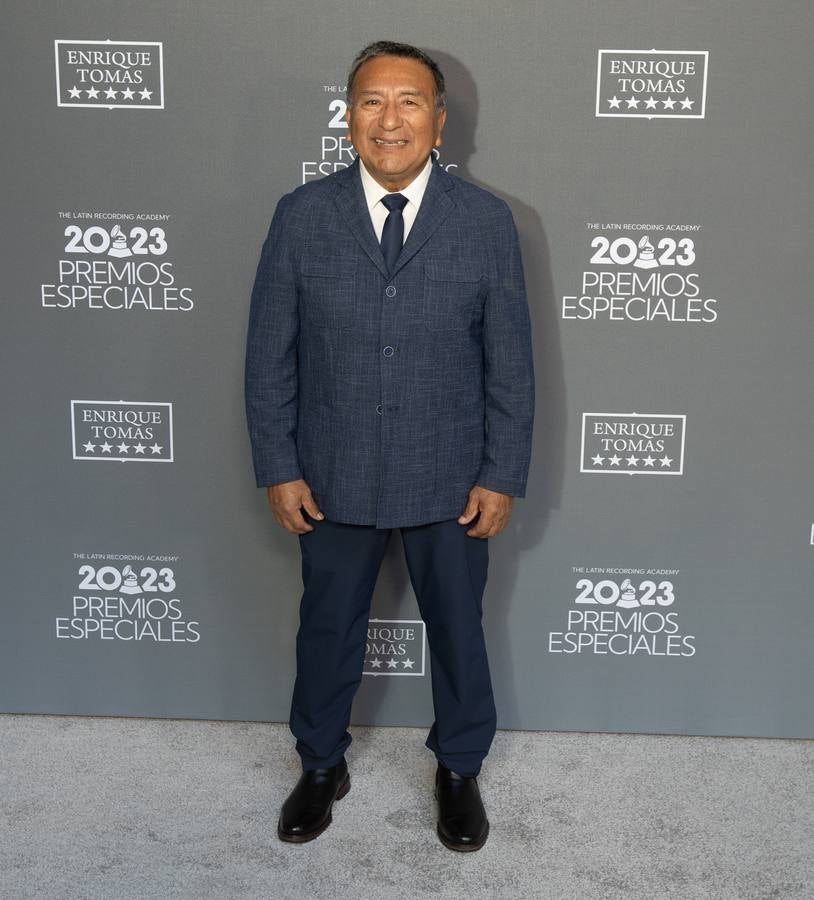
[{"x": 413, "y": 92}]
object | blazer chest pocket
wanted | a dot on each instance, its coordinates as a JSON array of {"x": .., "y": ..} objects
[
  {"x": 451, "y": 293},
  {"x": 328, "y": 290}
]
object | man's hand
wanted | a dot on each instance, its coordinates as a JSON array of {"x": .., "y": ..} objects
[
  {"x": 494, "y": 507},
  {"x": 286, "y": 499}
]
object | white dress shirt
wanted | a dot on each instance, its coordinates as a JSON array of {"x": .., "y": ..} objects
[{"x": 413, "y": 192}]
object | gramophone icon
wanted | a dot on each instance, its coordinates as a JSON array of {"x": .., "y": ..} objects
[
  {"x": 130, "y": 584},
  {"x": 119, "y": 247},
  {"x": 647, "y": 255},
  {"x": 628, "y": 597}
]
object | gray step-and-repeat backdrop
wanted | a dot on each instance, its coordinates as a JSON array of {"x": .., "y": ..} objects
[{"x": 658, "y": 159}]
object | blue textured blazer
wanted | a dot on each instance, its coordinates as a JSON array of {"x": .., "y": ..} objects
[{"x": 390, "y": 393}]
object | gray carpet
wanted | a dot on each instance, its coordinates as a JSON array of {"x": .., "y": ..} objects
[{"x": 151, "y": 808}]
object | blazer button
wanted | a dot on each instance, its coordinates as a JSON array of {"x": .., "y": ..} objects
[
  {"x": 388, "y": 351},
  {"x": 390, "y": 290}
]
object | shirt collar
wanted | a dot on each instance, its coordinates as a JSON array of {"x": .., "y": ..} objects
[{"x": 413, "y": 192}]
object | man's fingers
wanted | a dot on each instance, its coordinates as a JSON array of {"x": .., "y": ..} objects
[
  {"x": 495, "y": 508},
  {"x": 311, "y": 506},
  {"x": 470, "y": 511},
  {"x": 297, "y": 522},
  {"x": 490, "y": 523},
  {"x": 287, "y": 500},
  {"x": 292, "y": 520},
  {"x": 481, "y": 528}
]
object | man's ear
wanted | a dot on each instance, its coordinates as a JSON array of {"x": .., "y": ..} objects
[{"x": 442, "y": 118}]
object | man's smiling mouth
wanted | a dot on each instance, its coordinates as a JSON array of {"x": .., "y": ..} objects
[{"x": 389, "y": 143}]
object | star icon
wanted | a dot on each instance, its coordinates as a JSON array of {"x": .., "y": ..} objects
[
  {"x": 650, "y": 103},
  {"x": 92, "y": 92},
  {"x": 156, "y": 448},
  {"x": 110, "y": 94},
  {"x": 686, "y": 103},
  {"x": 597, "y": 460},
  {"x": 145, "y": 94},
  {"x": 632, "y": 461},
  {"x": 375, "y": 663},
  {"x": 649, "y": 460},
  {"x": 669, "y": 103},
  {"x": 632, "y": 103},
  {"x": 139, "y": 448},
  {"x": 127, "y": 93},
  {"x": 614, "y": 102},
  {"x": 75, "y": 93},
  {"x": 615, "y": 460},
  {"x": 106, "y": 448},
  {"x": 89, "y": 447},
  {"x": 392, "y": 663},
  {"x": 407, "y": 663},
  {"x": 665, "y": 461},
  {"x": 123, "y": 448}
]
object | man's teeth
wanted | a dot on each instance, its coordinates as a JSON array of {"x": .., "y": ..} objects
[{"x": 380, "y": 141}]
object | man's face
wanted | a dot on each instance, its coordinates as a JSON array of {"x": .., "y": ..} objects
[{"x": 393, "y": 122}]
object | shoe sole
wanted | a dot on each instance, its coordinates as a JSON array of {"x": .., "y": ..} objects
[
  {"x": 452, "y": 845},
  {"x": 310, "y": 835},
  {"x": 464, "y": 848}
]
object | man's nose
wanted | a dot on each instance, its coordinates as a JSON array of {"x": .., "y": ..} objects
[{"x": 390, "y": 115}]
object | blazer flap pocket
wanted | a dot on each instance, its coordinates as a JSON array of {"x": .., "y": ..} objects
[
  {"x": 457, "y": 270},
  {"x": 328, "y": 266}
]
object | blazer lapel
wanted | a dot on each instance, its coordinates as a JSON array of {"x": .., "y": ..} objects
[
  {"x": 436, "y": 205},
  {"x": 350, "y": 200}
]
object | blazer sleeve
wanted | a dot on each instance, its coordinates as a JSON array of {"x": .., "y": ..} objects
[
  {"x": 271, "y": 355},
  {"x": 508, "y": 365}
]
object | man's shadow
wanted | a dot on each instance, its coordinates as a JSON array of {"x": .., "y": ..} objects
[{"x": 393, "y": 597}]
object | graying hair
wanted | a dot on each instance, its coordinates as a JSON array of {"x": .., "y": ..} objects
[{"x": 392, "y": 48}]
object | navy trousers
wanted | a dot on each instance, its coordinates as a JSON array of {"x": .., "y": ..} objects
[{"x": 448, "y": 569}]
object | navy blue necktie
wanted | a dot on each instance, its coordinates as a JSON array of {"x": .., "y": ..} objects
[{"x": 393, "y": 231}]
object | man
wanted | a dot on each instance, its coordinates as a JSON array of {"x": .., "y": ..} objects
[{"x": 389, "y": 384}]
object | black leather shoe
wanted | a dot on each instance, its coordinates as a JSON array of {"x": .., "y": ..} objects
[
  {"x": 462, "y": 822},
  {"x": 306, "y": 812}
]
